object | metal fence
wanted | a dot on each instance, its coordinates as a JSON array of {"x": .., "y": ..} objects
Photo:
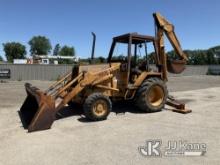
[
  {"x": 52, "y": 72},
  {"x": 35, "y": 71}
]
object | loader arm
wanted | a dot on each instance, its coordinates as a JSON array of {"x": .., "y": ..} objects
[{"x": 87, "y": 79}]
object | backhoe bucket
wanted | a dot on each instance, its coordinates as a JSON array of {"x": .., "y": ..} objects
[
  {"x": 176, "y": 66},
  {"x": 38, "y": 110}
]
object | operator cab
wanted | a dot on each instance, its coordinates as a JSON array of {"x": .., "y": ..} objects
[{"x": 134, "y": 52}]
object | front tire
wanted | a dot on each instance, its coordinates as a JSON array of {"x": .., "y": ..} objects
[
  {"x": 97, "y": 107},
  {"x": 152, "y": 95}
]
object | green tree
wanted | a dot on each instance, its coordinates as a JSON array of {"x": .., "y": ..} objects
[
  {"x": 1, "y": 59},
  {"x": 14, "y": 50},
  {"x": 40, "y": 45},
  {"x": 172, "y": 55},
  {"x": 214, "y": 54},
  {"x": 210, "y": 58},
  {"x": 101, "y": 59},
  {"x": 195, "y": 57},
  {"x": 56, "y": 49},
  {"x": 151, "y": 57},
  {"x": 67, "y": 51}
]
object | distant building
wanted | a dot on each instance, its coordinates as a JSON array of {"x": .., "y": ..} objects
[
  {"x": 20, "y": 61},
  {"x": 217, "y": 56},
  {"x": 49, "y": 59},
  {"x": 216, "y": 51},
  {"x": 45, "y": 59}
]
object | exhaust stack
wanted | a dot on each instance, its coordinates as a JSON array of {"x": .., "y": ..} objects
[{"x": 93, "y": 47}]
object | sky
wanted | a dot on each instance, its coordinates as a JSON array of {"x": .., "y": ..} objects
[{"x": 70, "y": 22}]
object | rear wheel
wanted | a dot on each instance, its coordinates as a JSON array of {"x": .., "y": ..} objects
[
  {"x": 97, "y": 107},
  {"x": 152, "y": 95}
]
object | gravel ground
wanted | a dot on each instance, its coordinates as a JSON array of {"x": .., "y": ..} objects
[{"x": 73, "y": 140}]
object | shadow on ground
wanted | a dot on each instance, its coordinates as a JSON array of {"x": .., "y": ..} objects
[
  {"x": 119, "y": 108},
  {"x": 77, "y": 110}
]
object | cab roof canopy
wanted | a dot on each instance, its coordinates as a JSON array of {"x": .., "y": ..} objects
[{"x": 135, "y": 37}]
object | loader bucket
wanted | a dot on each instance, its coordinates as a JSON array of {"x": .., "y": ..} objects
[
  {"x": 176, "y": 66},
  {"x": 38, "y": 110}
]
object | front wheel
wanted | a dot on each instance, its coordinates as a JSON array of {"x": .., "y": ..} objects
[
  {"x": 97, "y": 107},
  {"x": 152, "y": 95}
]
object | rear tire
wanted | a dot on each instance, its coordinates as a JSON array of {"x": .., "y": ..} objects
[
  {"x": 152, "y": 95},
  {"x": 97, "y": 107}
]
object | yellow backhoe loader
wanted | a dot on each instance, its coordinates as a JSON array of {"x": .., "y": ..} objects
[{"x": 128, "y": 76}]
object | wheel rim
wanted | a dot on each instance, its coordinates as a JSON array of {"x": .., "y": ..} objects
[
  {"x": 100, "y": 107},
  {"x": 155, "y": 95}
]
